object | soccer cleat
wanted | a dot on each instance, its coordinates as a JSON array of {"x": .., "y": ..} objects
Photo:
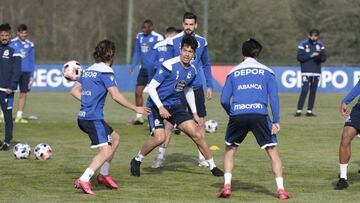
[
  {"x": 20, "y": 119},
  {"x": 310, "y": 115},
  {"x": 217, "y": 172},
  {"x": 158, "y": 163},
  {"x": 177, "y": 131},
  {"x": 225, "y": 191},
  {"x": 282, "y": 194},
  {"x": 341, "y": 184},
  {"x": 5, "y": 147},
  {"x": 138, "y": 121},
  {"x": 107, "y": 181},
  {"x": 203, "y": 163},
  {"x": 297, "y": 114},
  {"x": 84, "y": 186},
  {"x": 135, "y": 167}
]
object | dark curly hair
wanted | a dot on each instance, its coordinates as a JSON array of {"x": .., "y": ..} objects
[{"x": 104, "y": 51}]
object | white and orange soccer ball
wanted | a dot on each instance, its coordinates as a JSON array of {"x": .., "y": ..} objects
[
  {"x": 42, "y": 151},
  {"x": 72, "y": 70}
]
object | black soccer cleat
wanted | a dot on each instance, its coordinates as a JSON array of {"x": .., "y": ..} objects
[
  {"x": 297, "y": 114},
  {"x": 341, "y": 184},
  {"x": 5, "y": 147},
  {"x": 217, "y": 172},
  {"x": 310, "y": 115},
  {"x": 135, "y": 167}
]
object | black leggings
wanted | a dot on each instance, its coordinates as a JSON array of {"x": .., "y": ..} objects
[
  {"x": 308, "y": 82},
  {"x": 6, "y": 102}
]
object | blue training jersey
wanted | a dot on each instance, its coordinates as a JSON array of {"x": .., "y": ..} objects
[
  {"x": 201, "y": 61},
  {"x": 95, "y": 81},
  {"x": 159, "y": 55},
  {"x": 355, "y": 91},
  {"x": 27, "y": 52},
  {"x": 143, "y": 48},
  {"x": 251, "y": 85},
  {"x": 173, "y": 78}
]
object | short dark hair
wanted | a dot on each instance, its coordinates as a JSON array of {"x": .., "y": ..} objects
[
  {"x": 5, "y": 27},
  {"x": 251, "y": 48},
  {"x": 179, "y": 30},
  {"x": 104, "y": 51},
  {"x": 189, "y": 15},
  {"x": 148, "y": 21},
  {"x": 314, "y": 32},
  {"x": 190, "y": 41},
  {"x": 22, "y": 27},
  {"x": 171, "y": 30}
]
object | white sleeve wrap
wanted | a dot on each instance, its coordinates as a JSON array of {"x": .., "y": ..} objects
[
  {"x": 153, "y": 93},
  {"x": 190, "y": 98}
]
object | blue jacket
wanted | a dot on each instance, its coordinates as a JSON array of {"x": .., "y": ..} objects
[
  {"x": 311, "y": 65},
  {"x": 27, "y": 52},
  {"x": 248, "y": 89},
  {"x": 202, "y": 60},
  {"x": 10, "y": 63}
]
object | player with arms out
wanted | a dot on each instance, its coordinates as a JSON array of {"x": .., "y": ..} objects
[
  {"x": 171, "y": 80},
  {"x": 247, "y": 90},
  {"x": 351, "y": 129},
  {"x": 91, "y": 89}
]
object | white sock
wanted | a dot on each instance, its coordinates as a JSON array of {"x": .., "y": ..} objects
[
  {"x": 211, "y": 163},
  {"x": 279, "y": 182},
  {"x": 19, "y": 114},
  {"x": 298, "y": 111},
  {"x": 104, "y": 170},
  {"x": 161, "y": 153},
  {"x": 87, "y": 175},
  {"x": 138, "y": 115},
  {"x": 343, "y": 171},
  {"x": 139, "y": 157},
  {"x": 201, "y": 156},
  {"x": 227, "y": 177}
]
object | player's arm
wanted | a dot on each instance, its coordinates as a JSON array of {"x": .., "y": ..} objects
[
  {"x": 120, "y": 99},
  {"x": 274, "y": 103},
  {"x": 32, "y": 62},
  {"x": 136, "y": 55},
  {"x": 355, "y": 91},
  {"x": 190, "y": 98},
  {"x": 226, "y": 95},
  {"x": 302, "y": 55},
  {"x": 322, "y": 56},
  {"x": 205, "y": 59},
  {"x": 76, "y": 91}
]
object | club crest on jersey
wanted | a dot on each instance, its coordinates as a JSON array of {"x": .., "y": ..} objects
[
  {"x": 307, "y": 49},
  {"x": 188, "y": 75},
  {"x": 6, "y": 54},
  {"x": 151, "y": 39},
  {"x": 180, "y": 86}
]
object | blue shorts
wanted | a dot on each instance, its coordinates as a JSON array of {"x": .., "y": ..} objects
[
  {"x": 259, "y": 125},
  {"x": 178, "y": 115},
  {"x": 24, "y": 82},
  {"x": 143, "y": 77},
  {"x": 98, "y": 130}
]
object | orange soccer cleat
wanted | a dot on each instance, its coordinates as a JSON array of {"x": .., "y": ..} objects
[{"x": 107, "y": 181}]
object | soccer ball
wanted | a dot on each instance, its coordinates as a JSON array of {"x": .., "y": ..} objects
[
  {"x": 72, "y": 70},
  {"x": 21, "y": 151},
  {"x": 211, "y": 126},
  {"x": 42, "y": 151}
]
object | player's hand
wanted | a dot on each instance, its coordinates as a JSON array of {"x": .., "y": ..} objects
[
  {"x": 275, "y": 128},
  {"x": 209, "y": 93},
  {"x": 196, "y": 118},
  {"x": 8, "y": 91},
  {"x": 143, "y": 110},
  {"x": 343, "y": 110},
  {"x": 164, "y": 113},
  {"x": 314, "y": 54},
  {"x": 132, "y": 70}
]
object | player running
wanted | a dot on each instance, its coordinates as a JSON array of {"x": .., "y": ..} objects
[
  {"x": 171, "y": 80},
  {"x": 245, "y": 96},
  {"x": 91, "y": 89},
  {"x": 351, "y": 129},
  {"x": 201, "y": 62}
]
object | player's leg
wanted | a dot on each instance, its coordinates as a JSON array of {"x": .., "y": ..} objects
[
  {"x": 142, "y": 81},
  {"x": 160, "y": 158},
  {"x": 6, "y": 101},
  {"x": 24, "y": 89},
  {"x": 303, "y": 94},
  {"x": 314, "y": 81},
  {"x": 201, "y": 110},
  {"x": 225, "y": 191}
]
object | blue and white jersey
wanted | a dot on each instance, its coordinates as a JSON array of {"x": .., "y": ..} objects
[
  {"x": 355, "y": 91},
  {"x": 159, "y": 55},
  {"x": 143, "y": 48},
  {"x": 201, "y": 60},
  {"x": 27, "y": 52},
  {"x": 173, "y": 78},
  {"x": 95, "y": 81},
  {"x": 248, "y": 88}
]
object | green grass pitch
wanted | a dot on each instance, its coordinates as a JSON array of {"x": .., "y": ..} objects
[{"x": 308, "y": 146}]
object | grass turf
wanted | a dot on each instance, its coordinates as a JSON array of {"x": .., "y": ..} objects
[{"x": 308, "y": 146}]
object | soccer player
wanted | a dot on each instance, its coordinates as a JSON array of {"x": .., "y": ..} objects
[
  {"x": 91, "y": 89},
  {"x": 201, "y": 63},
  {"x": 247, "y": 90},
  {"x": 145, "y": 41},
  {"x": 351, "y": 129},
  {"x": 10, "y": 63},
  {"x": 26, "y": 48},
  {"x": 170, "y": 81},
  {"x": 310, "y": 54}
]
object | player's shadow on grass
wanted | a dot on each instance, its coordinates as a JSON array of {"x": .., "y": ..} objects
[
  {"x": 236, "y": 185},
  {"x": 177, "y": 162}
]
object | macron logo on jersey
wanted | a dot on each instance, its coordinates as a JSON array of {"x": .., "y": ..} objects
[
  {"x": 252, "y": 71},
  {"x": 248, "y": 106}
]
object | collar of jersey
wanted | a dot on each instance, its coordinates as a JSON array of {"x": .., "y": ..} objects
[{"x": 101, "y": 67}]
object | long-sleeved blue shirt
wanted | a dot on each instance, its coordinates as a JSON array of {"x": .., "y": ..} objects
[
  {"x": 201, "y": 60},
  {"x": 248, "y": 89},
  {"x": 355, "y": 91},
  {"x": 10, "y": 63},
  {"x": 159, "y": 55},
  {"x": 311, "y": 65},
  {"x": 27, "y": 52},
  {"x": 143, "y": 48}
]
